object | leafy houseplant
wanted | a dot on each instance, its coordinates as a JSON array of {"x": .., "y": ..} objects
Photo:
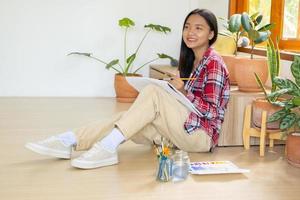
[
  {"x": 273, "y": 56},
  {"x": 233, "y": 29},
  {"x": 126, "y": 67},
  {"x": 256, "y": 33},
  {"x": 260, "y": 104},
  {"x": 124, "y": 91},
  {"x": 289, "y": 115},
  {"x": 246, "y": 68}
]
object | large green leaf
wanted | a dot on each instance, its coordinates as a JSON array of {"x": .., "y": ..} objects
[
  {"x": 258, "y": 19},
  {"x": 295, "y": 69},
  {"x": 129, "y": 61},
  {"x": 246, "y": 21},
  {"x": 126, "y": 22},
  {"x": 131, "y": 58},
  {"x": 296, "y": 101},
  {"x": 234, "y": 23},
  {"x": 271, "y": 62},
  {"x": 284, "y": 83},
  {"x": 254, "y": 16},
  {"x": 158, "y": 28},
  {"x": 273, "y": 55},
  {"x": 81, "y": 54},
  {"x": 278, "y": 93},
  {"x": 266, "y": 27},
  {"x": 261, "y": 85},
  {"x": 262, "y": 36},
  {"x": 284, "y": 104},
  {"x": 277, "y": 115},
  {"x": 288, "y": 121},
  {"x": 162, "y": 55},
  {"x": 112, "y": 63}
]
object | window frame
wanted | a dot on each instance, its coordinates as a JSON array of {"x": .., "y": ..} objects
[{"x": 277, "y": 11}]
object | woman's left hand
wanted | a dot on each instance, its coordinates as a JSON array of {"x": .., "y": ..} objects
[{"x": 178, "y": 84}]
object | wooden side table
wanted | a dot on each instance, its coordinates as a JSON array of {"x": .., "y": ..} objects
[{"x": 232, "y": 126}]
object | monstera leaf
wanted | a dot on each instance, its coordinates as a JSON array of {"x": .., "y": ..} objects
[
  {"x": 126, "y": 22},
  {"x": 158, "y": 28}
]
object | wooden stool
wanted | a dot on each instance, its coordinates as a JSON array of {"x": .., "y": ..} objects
[{"x": 262, "y": 133}]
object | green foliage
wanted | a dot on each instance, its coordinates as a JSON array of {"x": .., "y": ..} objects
[
  {"x": 274, "y": 66},
  {"x": 126, "y": 22},
  {"x": 234, "y": 23},
  {"x": 233, "y": 29},
  {"x": 257, "y": 33},
  {"x": 295, "y": 69},
  {"x": 158, "y": 28},
  {"x": 278, "y": 115},
  {"x": 125, "y": 69},
  {"x": 289, "y": 116}
]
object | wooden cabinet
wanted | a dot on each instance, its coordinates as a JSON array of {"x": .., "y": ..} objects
[
  {"x": 161, "y": 71},
  {"x": 232, "y": 126}
]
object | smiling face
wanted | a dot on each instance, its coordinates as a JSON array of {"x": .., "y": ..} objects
[{"x": 197, "y": 33}]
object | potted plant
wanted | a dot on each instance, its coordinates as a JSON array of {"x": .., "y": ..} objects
[
  {"x": 289, "y": 115},
  {"x": 246, "y": 67},
  {"x": 232, "y": 30},
  {"x": 124, "y": 92},
  {"x": 260, "y": 104}
]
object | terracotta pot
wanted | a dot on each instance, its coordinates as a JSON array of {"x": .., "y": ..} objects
[
  {"x": 293, "y": 149},
  {"x": 244, "y": 70},
  {"x": 125, "y": 93},
  {"x": 230, "y": 61},
  {"x": 258, "y": 106}
]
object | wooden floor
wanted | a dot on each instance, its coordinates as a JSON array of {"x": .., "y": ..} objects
[{"x": 26, "y": 175}]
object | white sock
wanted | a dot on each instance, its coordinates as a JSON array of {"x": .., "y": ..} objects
[
  {"x": 112, "y": 140},
  {"x": 68, "y": 138}
]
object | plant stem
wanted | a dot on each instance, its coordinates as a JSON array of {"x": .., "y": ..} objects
[
  {"x": 252, "y": 47},
  {"x": 142, "y": 41},
  {"x": 145, "y": 64},
  {"x": 128, "y": 66},
  {"x": 236, "y": 43},
  {"x": 125, "y": 42},
  {"x": 122, "y": 71},
  {"x": 98, "y": 60},
  {"x": 106, "y": 64}
]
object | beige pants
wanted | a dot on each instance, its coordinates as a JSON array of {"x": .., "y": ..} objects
[{"x": 154, "y": 113}]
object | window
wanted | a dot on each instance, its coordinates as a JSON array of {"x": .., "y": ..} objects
[
  {"x": 291, "y": 20},
  {"x": 284, "y": 13}
]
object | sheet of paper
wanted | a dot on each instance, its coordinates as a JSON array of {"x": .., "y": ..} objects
[
  {"x": 215, "y": 167},
  {"x": 140, "y": 82}
]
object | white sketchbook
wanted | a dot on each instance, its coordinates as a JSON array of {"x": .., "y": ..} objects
[
  {"x": 140, "y": 82},
  {"x": 215, "y": 167}
]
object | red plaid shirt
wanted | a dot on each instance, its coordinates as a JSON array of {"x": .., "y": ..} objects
[{"x": 209, "y": 93}]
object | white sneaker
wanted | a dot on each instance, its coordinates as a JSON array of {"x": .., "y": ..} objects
[
  {"x": 96, "y": 157},
  {"x": 51, "y": 146}
]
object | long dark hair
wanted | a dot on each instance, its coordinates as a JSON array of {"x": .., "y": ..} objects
[{"x": 187, "y": 57}]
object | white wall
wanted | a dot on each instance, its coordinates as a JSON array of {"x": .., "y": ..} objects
[{"x": 36, "y": 35}]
